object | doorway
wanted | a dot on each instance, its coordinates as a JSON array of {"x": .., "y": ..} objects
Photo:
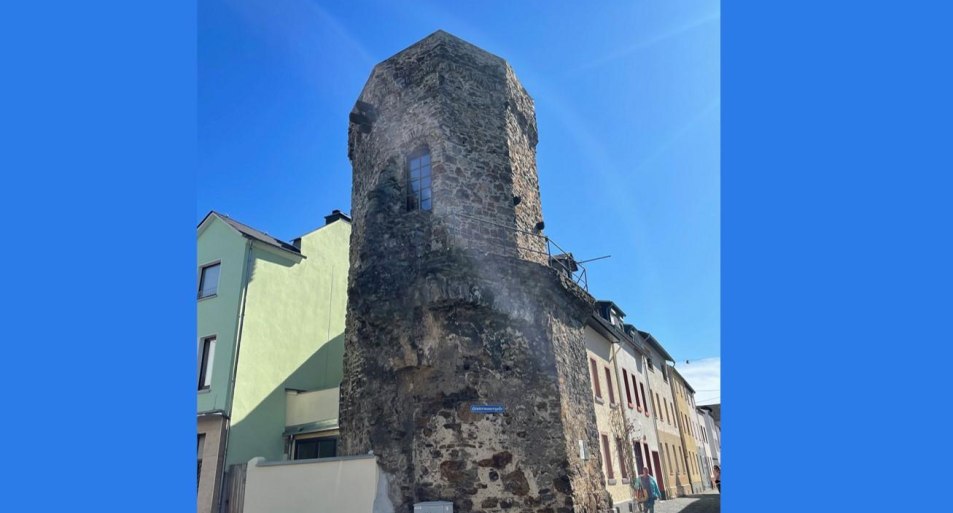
[{"x": 658, "y": 475}]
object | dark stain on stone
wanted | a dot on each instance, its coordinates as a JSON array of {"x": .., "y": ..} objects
[
  {"x": 498, "y": 461},
  {"x": 453, "y": 471},
  {"x": 515, "y": 482},
  {"x": 562, "y": 484}
]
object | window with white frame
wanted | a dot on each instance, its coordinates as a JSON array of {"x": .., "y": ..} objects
[{"x": 206, "y": 357}]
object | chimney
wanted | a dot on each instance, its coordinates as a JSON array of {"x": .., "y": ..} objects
[{"x": 335, "y": 215}]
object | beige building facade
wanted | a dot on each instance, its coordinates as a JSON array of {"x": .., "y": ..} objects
[
  {"x": 640, "y": 415},
  {"x": 211, "y": 455},
  {"x": 687, "y": 422},
  {"x": 613, "y": 450},
  {"x": 672, "y": 479}
]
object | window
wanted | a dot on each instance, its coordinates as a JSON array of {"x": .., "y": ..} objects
[
  {"x": 668, "y": 455},
  {"x": 628, "y": 394},
  {"x": 418, "y": 181},
  {"x": 608, "y": 457},
  {"x": 206, "y": 358},
  {"x": 621, "y": 447},
  {"x": 639, "y": 462},
  {"x": 208, "y": 280},
  {"x": 644, "y": 400},
  {"x": 201, "y": 451},
  {"x": 595, "y": 377},
  {"x": 635, "y": 388},
  {"x": 609, "y": 386},
  {"x": 311, "y": 448},
  {"x": 648, "y": 459},
  {"x": 651, "y": 367}
]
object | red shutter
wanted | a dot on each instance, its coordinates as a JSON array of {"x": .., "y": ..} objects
[
  {"x": 628, "y": 395},
  {"x": 595, "y": 377},
  {"x": 635, "y": 388},
  {"x": 609, "y": 386}
]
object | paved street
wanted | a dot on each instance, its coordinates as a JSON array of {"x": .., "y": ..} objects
[{"x": 707, "y": 502}]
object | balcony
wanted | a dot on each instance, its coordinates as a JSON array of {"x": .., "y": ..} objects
[{"x": 311, "y": 411}]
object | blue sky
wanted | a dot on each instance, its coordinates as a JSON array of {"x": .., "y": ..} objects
[{"x": 627, "y": 103}]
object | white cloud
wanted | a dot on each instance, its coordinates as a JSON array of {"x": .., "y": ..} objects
[{"x": 705, "y": 377}]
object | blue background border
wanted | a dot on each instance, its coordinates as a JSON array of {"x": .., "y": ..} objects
[
  {"x": 836, "y": 266},
  {"x": 836, "y": 254},
  {"x": 98, "y": 201}
]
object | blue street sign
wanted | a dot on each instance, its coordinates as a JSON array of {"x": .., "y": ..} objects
[{"x": 487, "y": 408}]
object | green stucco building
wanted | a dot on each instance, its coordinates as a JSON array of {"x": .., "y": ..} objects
[{"x": 270, "y": 319}]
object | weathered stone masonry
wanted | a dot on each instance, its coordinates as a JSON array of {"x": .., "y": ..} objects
[{"x": 458, "y": 306}]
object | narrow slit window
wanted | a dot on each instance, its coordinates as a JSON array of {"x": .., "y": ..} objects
[
  {"x": 639, "y": 462},
  {"x": 628, "y": 394},
  {"x": 206, "y": 358},
  {"x": 595, "y": 377},
  {"x": 201, "y": 451},
  {"x": 608, "y": 457},
  {"x": 419, "y": 189},
  {"x": 635, "y": 388},
  {"x": 623, "y": 472}
]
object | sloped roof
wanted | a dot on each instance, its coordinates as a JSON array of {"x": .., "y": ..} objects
[
  {"x": 715, "y": 410},
  {"x": 603, "y": 302},
  {"x": 252, "y": 233},
  {"x": 649, "y": 339},
  {"x": 682, "y": 378}
]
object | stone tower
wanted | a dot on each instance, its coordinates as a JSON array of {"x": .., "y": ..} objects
[{"x": 452, "y": 304}]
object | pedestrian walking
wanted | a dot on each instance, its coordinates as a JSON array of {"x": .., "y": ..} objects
[
  {"x": 648, "y": 491},
  {"x": 716, "y": 477}
]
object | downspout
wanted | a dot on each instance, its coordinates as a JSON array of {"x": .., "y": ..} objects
[
  {"x": 623, "y": 451},
  {"x": 231, "y": 386}
]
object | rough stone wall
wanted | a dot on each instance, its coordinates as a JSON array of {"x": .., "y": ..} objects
[
  {"x": 454, "y": 307},
  {"x": 468, "y": 108}
]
